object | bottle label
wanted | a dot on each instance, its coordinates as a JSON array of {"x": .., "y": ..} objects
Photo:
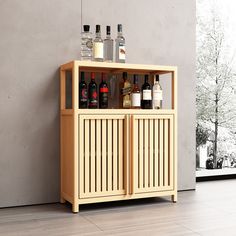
[
  {"x": 98, "y": 50},
  {"x": 89, "y": 44},
  {"x": 135, "y": 99},
  {"x": 157, "y": 95},
  {"x": 103, "y": 90},
  {"x": 93, "y": 98},
  {"x": 104, "y": 98},
  {"x": 121, "y": 51},
  {"x": 125, "y": 91},
  {"x": 147, "y": 94},
  {"x": 126, "y": 101},
  {"x": 84, "y": 95}
]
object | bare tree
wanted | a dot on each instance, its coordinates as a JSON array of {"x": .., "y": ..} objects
[{"x": 215, "y": 85}]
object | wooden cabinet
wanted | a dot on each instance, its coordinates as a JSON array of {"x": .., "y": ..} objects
[{"x": 116, "y": 154}]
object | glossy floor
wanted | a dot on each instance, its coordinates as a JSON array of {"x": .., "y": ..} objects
[{"x": 210, "y": 210}]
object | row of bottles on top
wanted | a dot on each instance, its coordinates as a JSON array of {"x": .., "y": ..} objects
[
  {"x": 97, "y": 49},
  {"x": 130, "y": 96}
]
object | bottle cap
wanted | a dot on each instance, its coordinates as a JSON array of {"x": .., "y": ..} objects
[
  {"x": 108, "y": 29},
  {"x": 157, "y": 77},
  {"x": 98, "y": 28},
  {"x": 86, "y": 28},
  {"x": 146, "y": 77},
  {"x": 125, "y": 75},
  {"x": 92, "y": 75},
  {"x": 119, "y": 27}
]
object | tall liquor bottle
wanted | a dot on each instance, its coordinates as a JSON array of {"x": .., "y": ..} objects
[
  {"x": 86, "y": 44},
  {"x": 103, "y": 93},
  {"x": 108, "y": 46},
  {"x": 135, "y": 95},
  {"x": 146, "y": 102},
  {"x": 125, "y": 91},
  {"x": 83, "y": 92},
  {"x": 120, "y": 45},
  {"x": 98, "y": 45},
  {"x": 157, "y": 94},
  {"x": 92, "y": 93}
]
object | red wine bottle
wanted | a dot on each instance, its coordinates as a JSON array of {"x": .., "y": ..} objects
[
  {"x": 83, "y": 92},
  {"x": 103, "y": 93},
  {"x": 146, "y": 102},
  {"x": 92, "y": 93}
]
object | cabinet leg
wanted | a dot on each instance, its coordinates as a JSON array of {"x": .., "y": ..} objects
[
  {"x": 75, "y": 208},
  {"x": 62, "y": 200},
  {"x": 174, "y": 197}
]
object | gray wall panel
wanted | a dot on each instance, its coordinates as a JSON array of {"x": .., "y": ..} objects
[{"x": 38, "y": 36}]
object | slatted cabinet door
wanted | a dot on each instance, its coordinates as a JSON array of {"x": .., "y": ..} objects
[
  {"x": 152, "y": 153},
  {"x": 102, "y": 155}
]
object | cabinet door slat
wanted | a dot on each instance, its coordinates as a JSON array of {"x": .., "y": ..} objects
[
  {"x": 115, "y": 184},
  {"x": 171, "y": 156},
  {"x": 151, "y": 149},
  {"x": 121, "y": 154},
  {"x": 98, "y": 155},
  {"x": 104, "y": 146},
  {"x": 166, "y": 152},
  {"x": 141, "y": 170},
  {"x": 161, "y": 153},
  {"x": 92, "y": 147},
  {"x": 146, "y": 157},
  {"x": 86, "y": 157},
  {"x": 156, "y": 153},
  {"x": 109, "y": 155}
]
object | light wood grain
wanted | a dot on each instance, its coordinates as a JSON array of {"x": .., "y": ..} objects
[{"x": 116, "y": 154}]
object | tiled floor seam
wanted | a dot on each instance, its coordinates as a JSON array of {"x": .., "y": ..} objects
[
  {"x": 195, "y": 232},
  {"x": 90, "y": 221}
]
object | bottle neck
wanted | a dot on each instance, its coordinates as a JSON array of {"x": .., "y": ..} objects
[
  {"x": 98, "y": 34},
  {"x": 119, "y": 34},
  {"x": 108, "y": 36}
]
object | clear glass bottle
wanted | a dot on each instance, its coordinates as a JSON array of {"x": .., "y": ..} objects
[
  {"x": 108, "y": 46},
  {"x": 86, "y": 48},
  {"x": 120, "y": 46},
  {"x": 157, "y": 94},
  {"x": 135, "y": 95},
  {"x": 98, "y": 45}
]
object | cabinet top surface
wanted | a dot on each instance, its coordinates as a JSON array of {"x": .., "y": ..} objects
[{"x": 89, "y": 65}]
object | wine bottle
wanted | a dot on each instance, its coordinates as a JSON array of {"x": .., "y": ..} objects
[
  {"x": 125, "y": 91},
  {"x": 92, "y": 93},
  {"x": 86, "y": 44},
  {"x": 135, "y": 95},
  {"x": 83, "y": 92},
  {"x": 103, "y": 93},
  {"x": 98, "y": 45},
  {"x": 108, "y": 46},
  {"x": 146, "y": 102},
  {"x": 157, "y": 94},
  {"x": 120, "y": 45}
]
